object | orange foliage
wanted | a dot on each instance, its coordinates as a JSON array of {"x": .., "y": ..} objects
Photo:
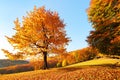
[
  {"x": 85, "y": 53},
  {"x": 116, "y": 40},
  {"x": 78, "y": 55},
  {"x": 41, "y": 31}
]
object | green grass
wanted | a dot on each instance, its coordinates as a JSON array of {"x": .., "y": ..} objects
[{"x": 101, "y": 61}]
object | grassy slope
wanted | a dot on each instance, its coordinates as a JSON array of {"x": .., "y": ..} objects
[
  {"x": 71, "y": 73},
  {"x": 101, "y": 61},
  {"x": 89, "y": 73}
]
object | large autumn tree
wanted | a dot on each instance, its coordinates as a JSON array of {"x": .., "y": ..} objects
[
  {"x": 41, "y": 31},
  {"x": 104, "y": 16}
]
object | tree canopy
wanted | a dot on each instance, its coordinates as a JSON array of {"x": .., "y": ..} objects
[
  {"x": 41, "y": 31},
  {"x": 104, "y": 16}
]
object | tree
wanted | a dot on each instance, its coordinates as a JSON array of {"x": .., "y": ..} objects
[
  {"x": 13, "y": 56},
  {"x": 42, "y": 31},
  {"x": 105, "y": 18}
]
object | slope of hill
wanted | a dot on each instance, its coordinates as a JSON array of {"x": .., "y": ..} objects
[
  {"x": 87, "y": 73},
  {"x": 7, "y": 62},
  {"x": 94, "y": 62}
]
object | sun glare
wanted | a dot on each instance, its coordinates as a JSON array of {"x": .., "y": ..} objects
[{"x": 4, "y": 45}]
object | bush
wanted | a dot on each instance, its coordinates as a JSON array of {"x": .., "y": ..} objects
[
  {"x": 37, "y": 65},
  {"x": 76, "y": 56},
  {"x": 59, "y": 64},
  {"x": 81, "y": 55},
  {"x": 52, "y": 62},
  {"x": 89, "y": 53},
  {"x": 64, "y": 63}
]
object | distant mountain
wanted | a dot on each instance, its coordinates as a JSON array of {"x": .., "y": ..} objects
[{"x": 7, "y": 62}]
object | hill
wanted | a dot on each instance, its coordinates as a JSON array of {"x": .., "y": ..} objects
[
  {"x": 7, "y": 62},
  {"x": 79, "y": 71},
  {"x": 87, "y": 73},
  {"x": 94, "y": 62}
]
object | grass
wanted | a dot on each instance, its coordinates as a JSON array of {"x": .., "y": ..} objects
[
  {"x": 101, "y": 61},
  {"x": 73, "y": 72},
  {"x": 88, "y": 73}
]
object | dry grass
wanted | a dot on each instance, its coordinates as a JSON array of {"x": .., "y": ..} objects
[
  {"x": 101, "y": 61},
  {"x": 86, "y": 73},
  {"x": 77, "y": 71}
]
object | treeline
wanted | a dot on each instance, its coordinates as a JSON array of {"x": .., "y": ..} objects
[{"x": 68, "y": 58}]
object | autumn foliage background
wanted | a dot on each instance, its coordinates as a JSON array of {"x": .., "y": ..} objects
[{"x": 104, "y": 16}]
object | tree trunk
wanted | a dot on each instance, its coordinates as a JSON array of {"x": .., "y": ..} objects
[{"x": 45, "y": 60}]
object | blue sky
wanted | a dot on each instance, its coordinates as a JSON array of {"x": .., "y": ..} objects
[{"x": 73, "y": 12}]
